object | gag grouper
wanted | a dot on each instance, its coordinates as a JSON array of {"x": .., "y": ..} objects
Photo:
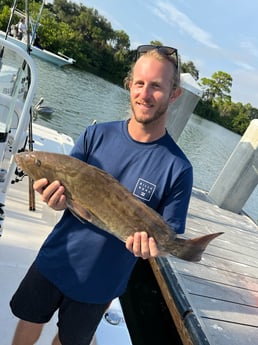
[{"x": 97, "y": 197}]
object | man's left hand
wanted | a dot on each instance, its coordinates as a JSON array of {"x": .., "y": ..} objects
[{"x": 142, "y": 246}]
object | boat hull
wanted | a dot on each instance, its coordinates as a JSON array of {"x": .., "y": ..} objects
[{"x": 42, "y": 54}]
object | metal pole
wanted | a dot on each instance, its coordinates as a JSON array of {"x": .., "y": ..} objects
[{"x": 32, "y": 206}]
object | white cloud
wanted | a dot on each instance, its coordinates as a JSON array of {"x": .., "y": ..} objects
[
  {"x": 244, "y": 65},
  {"x": 250, "y": 47},
  {"x": 244, "y": 88},
  {"x": 173, "y": 16}
]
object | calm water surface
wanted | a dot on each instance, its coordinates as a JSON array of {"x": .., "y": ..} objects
[{"x": 78, "y": 98}]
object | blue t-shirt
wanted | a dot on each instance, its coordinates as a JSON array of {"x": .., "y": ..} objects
[{"x": 88, "y": 264}]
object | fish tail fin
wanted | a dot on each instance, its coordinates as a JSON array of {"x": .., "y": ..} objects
[{"x": 192, "y": 249}]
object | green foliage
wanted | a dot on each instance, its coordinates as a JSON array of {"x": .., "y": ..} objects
[
  {"x": 240, "y": 123},
  {"x": 189, "y": 67},
  {"x": 156, "y": 43},
  {"x": 3, "y": 3},
  {"x": 216, "y": 104},
  {"x": 92, "y": 42},
  {"x": 217, "y": 88}
]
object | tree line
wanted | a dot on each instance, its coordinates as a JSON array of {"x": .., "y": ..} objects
[{"x": 88, "y": 37}]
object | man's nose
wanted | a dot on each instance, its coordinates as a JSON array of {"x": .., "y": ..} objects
[{"x": 145, "y": 91}]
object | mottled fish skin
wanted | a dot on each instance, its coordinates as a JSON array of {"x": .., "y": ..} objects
[{"x": 97, "y": 197}]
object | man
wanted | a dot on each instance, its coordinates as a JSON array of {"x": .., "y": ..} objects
[
  {"x": 21, "y": 29},
  {"x": 81, "y": 268}
]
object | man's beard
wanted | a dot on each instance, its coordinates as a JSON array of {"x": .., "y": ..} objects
[{"x": 149, "y": 120}]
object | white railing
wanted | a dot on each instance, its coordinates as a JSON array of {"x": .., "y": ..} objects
[{"x": 9, "y": 104}]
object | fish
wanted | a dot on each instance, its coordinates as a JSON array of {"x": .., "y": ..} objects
[{"x": 95, "y": 196}]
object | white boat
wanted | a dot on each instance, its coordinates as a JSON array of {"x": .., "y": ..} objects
[
  {"x": 59, "y": 60},
  {"x": 42, "y": 54},
  {"x": 24, "y": 220}
]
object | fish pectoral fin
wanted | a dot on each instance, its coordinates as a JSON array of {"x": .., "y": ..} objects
[
  {"x": 82, "y": 220},
  {"x": 84, "y": 215}
]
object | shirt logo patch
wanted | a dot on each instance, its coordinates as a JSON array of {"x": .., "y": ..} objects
[{"x": 144, "y": 189}]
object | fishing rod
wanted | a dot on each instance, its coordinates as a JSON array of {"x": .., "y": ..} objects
[
  {"x": 35, "y": 26},
  {"x": 32, "y": 206}
]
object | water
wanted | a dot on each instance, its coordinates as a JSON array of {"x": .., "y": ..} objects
[{"x": 79, "y": 98}]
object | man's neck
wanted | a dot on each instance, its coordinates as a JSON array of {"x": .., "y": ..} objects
[{"x": 145, "y": 132}]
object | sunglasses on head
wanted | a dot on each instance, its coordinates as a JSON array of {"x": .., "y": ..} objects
[{"x": 167, "y": 51}]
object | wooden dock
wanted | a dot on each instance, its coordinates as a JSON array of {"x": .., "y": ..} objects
[{"x": 215, "y": 301}]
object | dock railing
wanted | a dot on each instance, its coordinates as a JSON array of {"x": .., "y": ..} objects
[{"x": 239, "y": 177}]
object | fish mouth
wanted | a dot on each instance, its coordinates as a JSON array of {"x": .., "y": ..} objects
[{"x": 20, "y": 158}]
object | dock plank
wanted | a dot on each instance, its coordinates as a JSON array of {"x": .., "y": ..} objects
[
  {"x": 223, "y": 264},
  {"x": 216, "y": 274},
  {"x": 218, "y": 295},
  {"x": 220, "y": 291},
  {"x": 221, "y": 333},
  {"x": 225, "y": 311}
]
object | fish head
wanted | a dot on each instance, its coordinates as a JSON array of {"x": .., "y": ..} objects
[{"x": 35, "y": 164}]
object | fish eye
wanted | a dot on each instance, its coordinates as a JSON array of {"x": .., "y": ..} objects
[{"x": 38, "y": 162}]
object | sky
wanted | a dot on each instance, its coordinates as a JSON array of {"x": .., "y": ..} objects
[{"x": 216, "y": 35}]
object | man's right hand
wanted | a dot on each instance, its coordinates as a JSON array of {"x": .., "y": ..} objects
[{"x": 52, "y": 194}]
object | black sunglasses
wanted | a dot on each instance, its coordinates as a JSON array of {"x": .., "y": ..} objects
[{"x": 167, "y": 51}]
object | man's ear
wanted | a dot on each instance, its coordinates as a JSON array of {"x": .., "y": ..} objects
[{"x": 175, "y": 94}]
